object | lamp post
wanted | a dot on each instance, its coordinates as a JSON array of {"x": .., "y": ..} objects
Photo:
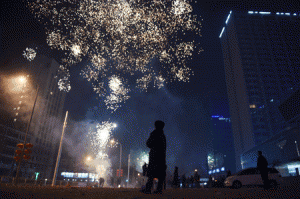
[
  {"x": 128, "y": 169},
  {"x": 25, "y": 139},
  {"x": 88, "y": 159},
  {"x": 59, "y": 151}
]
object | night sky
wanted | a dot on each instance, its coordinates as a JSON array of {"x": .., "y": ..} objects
[{"x": 186, "y": 108}]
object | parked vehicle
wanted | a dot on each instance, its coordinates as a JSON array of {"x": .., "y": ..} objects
[{"x": 252, "y": 177}]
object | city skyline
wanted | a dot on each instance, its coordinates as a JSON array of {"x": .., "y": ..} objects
[{"x": 186, "y": 108}]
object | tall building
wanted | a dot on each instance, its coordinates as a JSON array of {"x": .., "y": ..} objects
[
  {"x": 261, "y": 57},
  {"x": 223, "y": 148},
  {"x": 46, "y": 125}
]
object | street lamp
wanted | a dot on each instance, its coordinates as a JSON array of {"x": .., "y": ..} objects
[{"x": 89, "y": 158}]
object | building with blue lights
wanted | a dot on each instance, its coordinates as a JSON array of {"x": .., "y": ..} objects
[
  {"x": 223, "y": 147},
  {"x": 261, "y": 58}
]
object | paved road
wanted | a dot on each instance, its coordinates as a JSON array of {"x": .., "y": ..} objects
[{"x": 25, "y": 192}]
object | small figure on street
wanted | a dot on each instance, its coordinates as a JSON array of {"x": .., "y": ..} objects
[
  {"x": 101, "y": 182},
  {"x": 145, "y": 167},
  {"x": 228, "y": 173},
  {"x": 183, "y": 180},
  {"x": 175, "y": 181},
  {"x": 262, "y": 166},
  {"x": 210, "y": 181},
  {"x": 112, "y": 181},
  {"x": 157, "y": 158},
  {"x": 197, "y": 179},
  {"x": 192, "y": 180}
]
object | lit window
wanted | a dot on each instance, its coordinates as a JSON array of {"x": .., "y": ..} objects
[
  {"x": 223, "y": 169},
  {"x": 217, "y": 170},
  {"x": 51, "y": 93},
  {"x": 252, "y": 106}
]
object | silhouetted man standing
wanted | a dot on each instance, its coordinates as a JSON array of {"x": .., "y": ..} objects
[
  {"x": 157, "y": 158},
  {"x": 262, "y": 166},
  {"x": 175, "y": 182}
]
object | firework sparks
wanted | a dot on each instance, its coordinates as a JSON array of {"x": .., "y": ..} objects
[
  {"x": 29, "y": 54},
  {"x": 99, "y": 140},
  {"x": 121, "y": 37},
  {"x": 118, "y": 93}
]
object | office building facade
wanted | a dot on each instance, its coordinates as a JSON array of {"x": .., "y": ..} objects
[
  {"x": 46, "y": 125},
  {"x": 222, "y": 154},
  {"x": 261, "y": 58}
]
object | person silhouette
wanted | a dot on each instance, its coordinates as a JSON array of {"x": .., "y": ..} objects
[
  {"x": 176, "y": 178},
  {"x": 228, "y": 173},
  {"x": 157, "y": 158},
  {"x": 262, "y": 166},
  {"x": 183, "y": 180}
]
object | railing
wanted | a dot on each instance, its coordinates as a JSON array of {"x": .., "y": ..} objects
[{"x": 44, "y": 182}]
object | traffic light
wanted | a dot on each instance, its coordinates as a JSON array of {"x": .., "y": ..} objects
[
  {"x": 121, "y": 172},
  {"x": 27, "y": 151},
  {"x": 19, "y": 155},
  {"x": 19, "y": 152}
]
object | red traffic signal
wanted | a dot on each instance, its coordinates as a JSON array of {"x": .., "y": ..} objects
[
  {"x": 20, "y": 145},
  {"x": 121, "y": 172},
  {"x": 17, "y": 158},
  {"x": 26, "y": 157},
  {"x": 29, "y": 145},
  {"x": 18, "y": 151},
  {"x": 27, "y": 151}
]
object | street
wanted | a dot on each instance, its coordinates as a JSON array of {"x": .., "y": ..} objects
[{"x": 44, "y": 192}]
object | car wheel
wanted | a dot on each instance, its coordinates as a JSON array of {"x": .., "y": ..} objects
[
  {"x": 273, "y": 184},
  {"x": 236, "y": 185}
]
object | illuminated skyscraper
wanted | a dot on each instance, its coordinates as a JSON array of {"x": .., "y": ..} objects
[
  {"x": 46, "y": 125},
  {"x": 223, "y": 149},
  {"x": 261, "y": 58}
]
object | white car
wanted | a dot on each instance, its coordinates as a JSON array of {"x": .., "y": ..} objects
[{"x": 251, "y": 176}]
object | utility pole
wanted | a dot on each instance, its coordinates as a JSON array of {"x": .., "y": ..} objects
[
  {"x": 59, "y": 151},
  {"x": 128, "y": 169}
]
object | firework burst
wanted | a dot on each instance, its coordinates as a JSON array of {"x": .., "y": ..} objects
[
  {"x": 29, "y": 54},
  {"x": 99, "y": 138},
  {"x": 121, "y": 37}
]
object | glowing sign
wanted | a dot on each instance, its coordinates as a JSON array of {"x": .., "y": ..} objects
[
  {"x": 287, "y": 13},
  {"x": 222, "y": 32},
  {"x": 277, "y": 13},
  {"x": 265, "y": 13},
  {"x": 223, "y": 169},
  {"x": 218, "y": 170},
  {"x": 294, "y": 14},
  {"x": 250, "y": 12}
]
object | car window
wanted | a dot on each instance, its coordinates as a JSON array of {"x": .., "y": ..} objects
[
  {"x": 272, "y": 170},
  {"x": 246, "y": 172},
  {"x": 251, "y": 171}
]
